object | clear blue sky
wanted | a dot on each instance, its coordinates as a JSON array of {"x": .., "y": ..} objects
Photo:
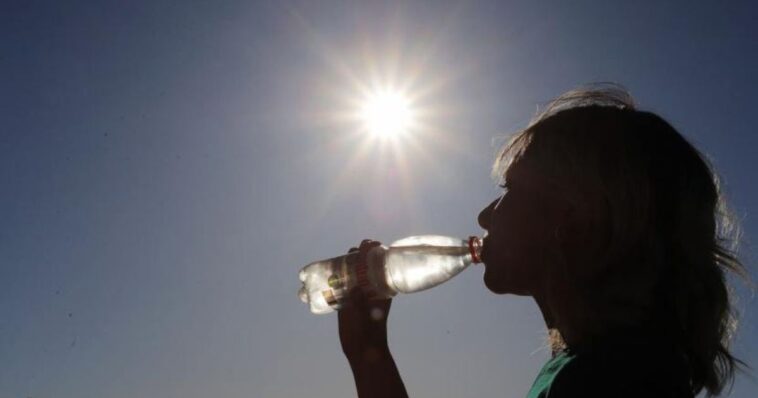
[{"x": 166, "y": 169}]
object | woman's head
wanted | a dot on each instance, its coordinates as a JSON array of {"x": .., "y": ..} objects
[{"x": 622, "y": 212}]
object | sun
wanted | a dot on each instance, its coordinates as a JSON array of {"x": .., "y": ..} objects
[{"x": 386, "y": 113}]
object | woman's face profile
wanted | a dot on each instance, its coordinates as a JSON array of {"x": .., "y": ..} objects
[{"x": 521, "y": 230}]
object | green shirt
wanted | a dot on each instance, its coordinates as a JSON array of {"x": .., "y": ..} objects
[{"x": 541, "y": 386}]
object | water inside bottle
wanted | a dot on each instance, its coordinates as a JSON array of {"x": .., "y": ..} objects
[
  {"x": 409, "y": 265},
  {"x": 420, "y": 267}
]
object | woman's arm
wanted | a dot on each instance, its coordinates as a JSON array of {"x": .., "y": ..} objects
[{"x": 363, "y": 335}]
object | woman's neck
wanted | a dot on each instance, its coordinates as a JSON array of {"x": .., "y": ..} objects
[
  {"x": 568, "y": 319},
  {"x": 579, "y": 322}
]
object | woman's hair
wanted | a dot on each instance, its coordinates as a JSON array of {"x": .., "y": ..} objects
[{"x": 654, "y": 223}]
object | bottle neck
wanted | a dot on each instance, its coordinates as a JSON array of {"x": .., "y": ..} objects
[{"x": 475, "y": 248}]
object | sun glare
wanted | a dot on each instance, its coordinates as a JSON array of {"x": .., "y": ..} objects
[
  {"x": 386, "y": 113},
  {"x": 378, "y": 112}
]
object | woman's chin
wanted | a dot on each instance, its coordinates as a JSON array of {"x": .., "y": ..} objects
[
  {"x": 494, "y": 284},
  {"x": 501, "y": 285}
]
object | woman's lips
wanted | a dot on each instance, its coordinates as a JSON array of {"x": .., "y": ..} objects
[{"x": 483, "y": 254}]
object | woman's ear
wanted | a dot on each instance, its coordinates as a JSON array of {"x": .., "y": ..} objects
[
  {"x": 571, "y": 219},
  {"x": 569, "y": 231},
  {"x": 580, "y": 221}
]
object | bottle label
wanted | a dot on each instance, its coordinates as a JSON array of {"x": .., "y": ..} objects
[
  {"x": 342, "y": 280},
  {"x": 335, "y": 282},
  {"x": 330, "y": 298},
  {"x": 362, "y": 270}
]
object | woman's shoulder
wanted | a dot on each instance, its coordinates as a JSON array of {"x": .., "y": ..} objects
[{"x": 633, "y": 369}]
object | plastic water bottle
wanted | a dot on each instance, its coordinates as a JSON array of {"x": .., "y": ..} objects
[{"x": 406, "y": 266}]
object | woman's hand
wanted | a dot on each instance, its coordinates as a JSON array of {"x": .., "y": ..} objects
[{"x": 363, "y": 321}]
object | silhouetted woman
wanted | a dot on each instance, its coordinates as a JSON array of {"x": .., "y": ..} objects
[{"x": 615, "y": 225}]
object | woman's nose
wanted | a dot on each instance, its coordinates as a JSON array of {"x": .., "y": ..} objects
[{"x": 486, "y": 215}]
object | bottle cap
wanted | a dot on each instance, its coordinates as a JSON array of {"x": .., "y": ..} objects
[{"x": 475, "y": 248}]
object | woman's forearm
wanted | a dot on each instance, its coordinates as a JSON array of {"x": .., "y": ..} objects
[{"x": 376, "y": 375}]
